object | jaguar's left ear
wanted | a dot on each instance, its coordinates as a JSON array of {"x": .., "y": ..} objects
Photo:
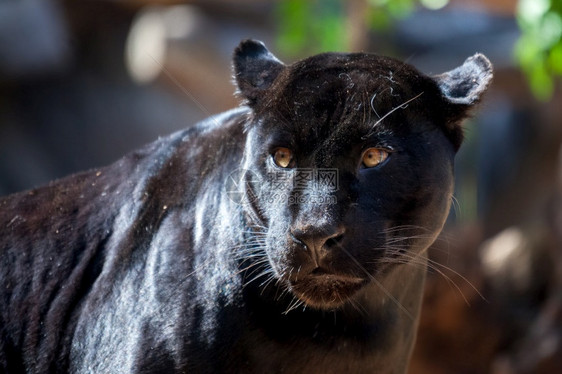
[
  {"x": 462, "y": 88},
  {"x": 465, "y": 84},
  {"x": 255, "y": 69}
]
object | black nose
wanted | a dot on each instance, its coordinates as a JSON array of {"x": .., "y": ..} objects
[{"x": 318, "y": 240}]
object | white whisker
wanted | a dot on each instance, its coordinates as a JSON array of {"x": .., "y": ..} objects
[{"x": 401, "y": 106}]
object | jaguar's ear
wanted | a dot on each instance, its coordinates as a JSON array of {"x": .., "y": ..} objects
[
  {"x": 465, "y": 84},
  {"x": 255, "y": 69},
  {"x": 462, "y": 88}
]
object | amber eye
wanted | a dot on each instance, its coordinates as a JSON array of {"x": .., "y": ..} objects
[
  {"x": 283, "y": 157},
  {"x": 373, "y": 157}
]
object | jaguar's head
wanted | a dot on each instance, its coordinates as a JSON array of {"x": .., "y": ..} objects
[{"x": 352, "y": 163}]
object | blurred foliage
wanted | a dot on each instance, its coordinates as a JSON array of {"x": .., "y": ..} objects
[
  {"x": 308, "y": 27},
  {"x": 539, "y": 50},
  {"x": 312, "y": 26},
  {"x": 381, "y": 13},
  {"x": 316, "y": 26}
]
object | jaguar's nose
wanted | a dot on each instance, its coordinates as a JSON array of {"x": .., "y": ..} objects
[{"x": 318, "y": 240}]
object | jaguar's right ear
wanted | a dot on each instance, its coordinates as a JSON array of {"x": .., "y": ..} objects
[
  {"x": 255, "y": 69},
  {"x": 461, "y": 89},
  {"x": 465, "y": 84}
]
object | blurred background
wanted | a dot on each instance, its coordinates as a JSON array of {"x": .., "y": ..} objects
[{"x": 84, "y": 82}]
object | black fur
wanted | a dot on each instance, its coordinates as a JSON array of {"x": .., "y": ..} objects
[{"x": 156, "y": 265}]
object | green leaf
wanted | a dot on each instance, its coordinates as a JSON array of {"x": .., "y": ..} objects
[
  {"x": 555, "y": 59},
  {"x": 542, "y": 84}
]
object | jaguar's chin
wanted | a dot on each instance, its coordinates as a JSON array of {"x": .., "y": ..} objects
[{"x": 326, "y": 291}]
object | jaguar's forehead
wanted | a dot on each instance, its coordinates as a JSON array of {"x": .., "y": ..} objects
[
  {"x": 350, "y": 70},
  {"x": 335, "y": 93}
]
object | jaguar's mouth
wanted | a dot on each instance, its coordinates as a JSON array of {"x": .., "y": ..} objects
[{"x": 325, "y": 290}]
